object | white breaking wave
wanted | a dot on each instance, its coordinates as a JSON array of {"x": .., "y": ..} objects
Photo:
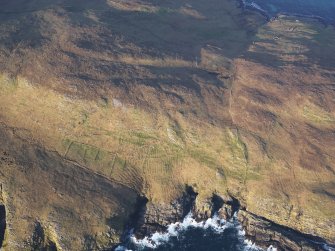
[
  {"x": 256, "y": 6},
  {"x": 174, "y": 229},
  {"x": 253, "y": 5}
]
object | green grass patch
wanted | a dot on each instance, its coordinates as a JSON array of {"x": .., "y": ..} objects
[
  {"x": 204, "y": 158},
  {"x": 7, "y": 84},
  {"x": 91, "y": 153},
  {"x": 237, "y": 147},
  {"x": 317, "y": 116},
  {"x": 120, "y": 163}
]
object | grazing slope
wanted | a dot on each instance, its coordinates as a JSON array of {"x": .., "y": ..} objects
[{"x": 103, "y": 101}]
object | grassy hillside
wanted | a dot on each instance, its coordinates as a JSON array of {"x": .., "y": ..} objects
[{"x": 146, "y": 97}]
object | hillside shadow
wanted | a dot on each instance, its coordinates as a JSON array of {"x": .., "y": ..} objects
[{"x": 84, "y": 33}]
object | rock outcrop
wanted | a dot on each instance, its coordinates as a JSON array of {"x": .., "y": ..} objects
[
  {"x": 3, "y": 224},
  {"x": 105, "y": 102},
  {"x": 261, "y": 231},
  {"x": 150, "y": 218},
  {"x": 266, "y": 233}
]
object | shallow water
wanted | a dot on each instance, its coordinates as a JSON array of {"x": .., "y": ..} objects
[
  {"x": 319, "y": 8},
  {"x": 214, "y": 234}
]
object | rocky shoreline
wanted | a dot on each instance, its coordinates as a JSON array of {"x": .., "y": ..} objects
[
  {"x": 264, "y": 233},
  {"x": 242, "y": 4},
  {"x": 150, "y": 218}
]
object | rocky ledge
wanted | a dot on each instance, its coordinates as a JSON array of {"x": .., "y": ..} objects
[
  {"x": 265, "y": 233},
  {"x": 150, "y": 218}
]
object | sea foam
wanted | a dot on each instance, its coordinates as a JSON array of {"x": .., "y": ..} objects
[{"x": 215, "y": 223}]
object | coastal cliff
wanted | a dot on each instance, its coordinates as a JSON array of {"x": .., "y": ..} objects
[
  {"x": 130, "y": 114},
  {"x": 151, "y": 219}
]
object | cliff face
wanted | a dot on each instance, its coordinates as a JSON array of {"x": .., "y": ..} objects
[
  {"x": 52, "y": 203},
  {"x": 103, "y": 102}
]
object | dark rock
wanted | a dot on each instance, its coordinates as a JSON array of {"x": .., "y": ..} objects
[
  {"x": 265, "y": 233},
  {"x": 2, "y": 224},
  {"x": 150, "y": 217},
  {"x": 40, "y": 241},
  {"x": 217, "y": 203},
  {"x": 225, "y": 212}
]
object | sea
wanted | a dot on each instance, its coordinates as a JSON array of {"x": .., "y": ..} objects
[
  {"x": 320, "y": 9},
  {"x": 216, "y": 234}
]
